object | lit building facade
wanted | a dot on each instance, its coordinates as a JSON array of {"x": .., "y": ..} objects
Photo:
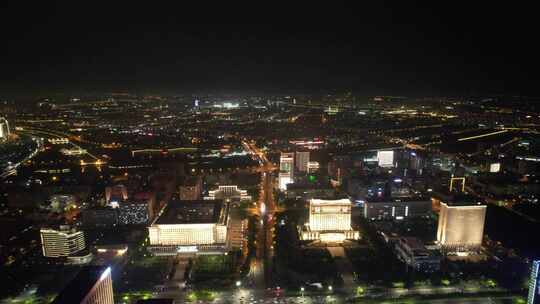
[
  {"x": 312, "y": 167},
  {"x": 534, "y": 284},
  {"x": 4, "y": 129},
  {"x": 396, "y": 208},
  {"x": 286, "y": 170},
  {"x": 92, "y": 285},
  {"x": 61, "y": 242},
  {"x": 236, "y": 235},
  {"x": 461, "y": 225},
  {"x": 385, "y": 159},
  {"x": 329, "y": 221},
  {"x": 302, "y": 160},
  {"x": 61, "y": 202},
  {"x": 190, "y": 227},
  {"x": 228, "y": 194},
  {"x": 116, "y": 193}
]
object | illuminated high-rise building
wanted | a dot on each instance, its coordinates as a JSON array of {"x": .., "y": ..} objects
[
  {"x": 385, "y": 158},
  {"x": 286, "y": 170},
  {"x": 461, "y": 224},
  {"x": 92, "y": 285},
  {"x": 302, "y": 160},
  {"x": 534, "y": 284},
  {"x": 329, "y": 221},
  {"x": 61, "y": 242},
  {"x": 4, "y": 129}
]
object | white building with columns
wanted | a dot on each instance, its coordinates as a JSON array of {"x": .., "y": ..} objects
[
  {"x": 329, "y": 221},
  {"x": 190, "y": 227}
]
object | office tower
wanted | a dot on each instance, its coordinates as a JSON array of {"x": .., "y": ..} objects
[
  {"x": 61, "y": 242},
  {"x": 286, "y": 170},
  {"x": 92, "y": 285},
  {"x": 416, "y": 161},
  {"x": 302, "y": 160},
  {"x": 4, "y": 129},
  {"x": 461, "y": 224},
  {"x": 534, "y": 284},
  {"x": 329, "y": 221},
  {"x": 391, "y": 208},
  {"x": 385, "y": 158},
  {"x": 495, "y": 167},
  {"x": 340, "y": 167}
]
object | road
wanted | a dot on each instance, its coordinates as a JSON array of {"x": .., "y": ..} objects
[
  {"x": 173, "y": 288},
  {"x": 266, "y": 208},
  {"x": 344, "y": 267},
  {"x": 245, "y": 296}
]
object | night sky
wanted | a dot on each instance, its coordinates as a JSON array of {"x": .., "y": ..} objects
[{"x": 393, "y": 48}]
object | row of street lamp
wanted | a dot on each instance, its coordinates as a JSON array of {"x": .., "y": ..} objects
[{"x": 302, "y": 289}]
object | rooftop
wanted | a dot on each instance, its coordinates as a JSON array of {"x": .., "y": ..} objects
[
  {"x": 321, "y": 202},
  {"x": 397, "y": 199},
  {"x": 193, "y": 212},
  {"x": 462, "y": 199},
  {"x": 417, "y": 247},
  {"x": 413, "y": 243}
]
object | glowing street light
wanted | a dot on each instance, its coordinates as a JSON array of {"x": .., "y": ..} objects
[
  {"x": 263, "y": 208},
  {"x": 238, "y": 283},
  {"x": 330, "y": 288}
]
